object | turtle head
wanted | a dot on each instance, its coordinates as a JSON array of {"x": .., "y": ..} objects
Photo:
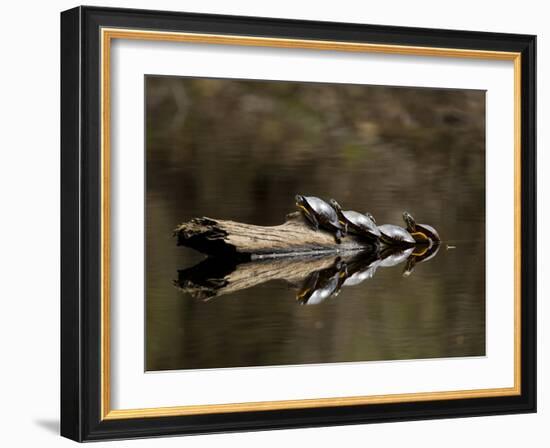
[
  {"x": 370, "y": 216},
  {"x": 409, "y": 266},
  {"x": 299, "y": 200},
  {"x": 335, "y": 205},
  {"x": 409, "y": 221}
]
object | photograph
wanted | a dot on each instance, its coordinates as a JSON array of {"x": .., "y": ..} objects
[
  {"x": 294, "y": 222},
  {"x": 273, "y": 222}
]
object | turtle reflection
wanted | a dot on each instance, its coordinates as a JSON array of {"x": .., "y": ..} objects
[
  {"x": 315, "y": 279},
  {"x": 320, "y": 285},
  {"x": 420, "y": 256},
  {"x": 362, "y": 267}
]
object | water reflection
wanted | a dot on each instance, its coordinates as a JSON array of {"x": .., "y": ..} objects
[
  {"x": 320, "y": 285},
  {"x": 314, "y": 278},
  {"x": 239, "y": 149}
]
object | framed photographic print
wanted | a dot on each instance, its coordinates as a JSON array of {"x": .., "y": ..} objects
[{"x": 275, "y": 224}]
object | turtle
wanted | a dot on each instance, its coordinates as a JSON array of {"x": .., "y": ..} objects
[
  {"x": 320, "y": 214},
  {"x": 392, "y": 256},
  {"x": 393, "y": 235},
  {"x": 420, "y": 257},
  {"x": 307, "y": 288},
  {"x": 322, "y": 284},
  {"x": 420, "y": 232},
  {"x": 361, "y": 267},
  {"x": 357, "y": 223}
]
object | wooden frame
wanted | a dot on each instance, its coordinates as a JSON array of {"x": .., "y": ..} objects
[{"x": 86, "y": 35}]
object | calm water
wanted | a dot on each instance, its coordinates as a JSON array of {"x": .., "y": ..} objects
[{"x": 241, "y": 150}]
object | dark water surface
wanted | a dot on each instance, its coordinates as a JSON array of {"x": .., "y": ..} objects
[{"x": 241, "y": 150}]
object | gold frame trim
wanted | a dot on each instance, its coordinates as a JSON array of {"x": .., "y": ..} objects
[{"x": 107, "y": 35}]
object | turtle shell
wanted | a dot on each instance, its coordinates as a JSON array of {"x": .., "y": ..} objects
[
  {"x": 395, "y": 235},
  {"x": 360, "y": 222},
  {"x": 429, "y": 231},
  {"x": 429, "y": 254},
  {"x": 323, "y": 291},
  {"x": 322, "y": 284},
  {"x": 323, "y": 211},
  {"x": 417, "y": 259},
  {"x": 420, "y": 232},
  {"x": 360, "y": 276},
  {"x": 392, "y": 256},
  {"x": 308, "y": 287}
]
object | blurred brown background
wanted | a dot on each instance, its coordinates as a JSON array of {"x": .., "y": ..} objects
[{"x": 241, "y": 150}]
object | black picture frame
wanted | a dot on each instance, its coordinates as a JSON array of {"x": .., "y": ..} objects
[{"x": 81, "y": 224}]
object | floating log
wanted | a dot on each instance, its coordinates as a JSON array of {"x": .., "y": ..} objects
[{"x": 295, "y": 237}]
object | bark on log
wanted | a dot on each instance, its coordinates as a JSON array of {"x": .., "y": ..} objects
[{"x": 246, "y": 241}]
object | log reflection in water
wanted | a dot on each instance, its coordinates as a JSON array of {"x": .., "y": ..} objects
[
  {"x": 216, "y": 276},
  {"x": 315, "y": 278}
]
